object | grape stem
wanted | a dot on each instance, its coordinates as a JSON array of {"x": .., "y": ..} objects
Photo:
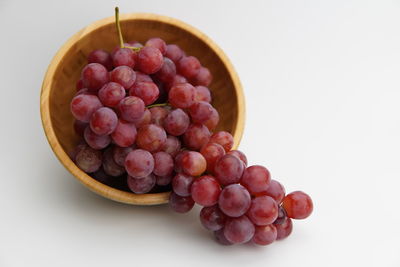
[
  {"x": 136, "y": 49},
  {"x": 121, "y": 39},
  {"x": 158, "y": 105}
]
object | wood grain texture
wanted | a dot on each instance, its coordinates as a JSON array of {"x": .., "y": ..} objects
[{"x": 64, "y": 70}]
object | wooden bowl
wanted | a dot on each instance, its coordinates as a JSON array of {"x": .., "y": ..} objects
[{"x": 64, "y": 70}]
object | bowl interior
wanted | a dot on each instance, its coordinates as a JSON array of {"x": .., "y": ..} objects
[{"x": 140, "y": 28}]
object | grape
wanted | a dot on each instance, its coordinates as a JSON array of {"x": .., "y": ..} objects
[
  {"x": 172, "y": 145},
  {"x": 263, "y": 210},
  {"x": 180, "y": 204},
  {"x": 83, "y": 106},
  {"x": 298, "y": 205},
  {"x": 228, "y": 170},
  {"x": 147, "y": 91},
  {"x": 120, "y": 153},
  {"x": 150, "y": 60},
  {"x": 178, "y": 79},
  {"x": 145, "y": 119},
  {"x": 94, "y": 76},
  {"x": 103, "y": 121},
  {"x": 265, "y": 235},
  {"x": 123, "y": 57},
  {"x": 102, "y": 57},
  {"x": 72, "y": 154},
  {"x": 123, "y": 75},
  {"x": 256, "y": 179},
  {"x": 167, "y": 72},
  {"x": 109, "y": 166},
  {"x": 96, "y": 141},
  {"x": 181, "y": 184},
  {"x": 79, "y": 127},
  {"x": 174, "y": 53},
  {"x": 220, "y": 237},
  {"x": 223, "y": 138},
  {"x": 178, "y": 159},
  {"x": 212, "y": 152},
  {"x": 284, "y": 229},
  {"x": 239, "y": 230},
  {"x": 181, "y": 95},
  {"x": 135, "y": 53},
  {"x": 79, "y": 85},
  {"x": 164, "y": 180},
  {"x": 139, "y": 163},
  {"x": 141, "y": 77},
  {"x": 142, "y": 185},
  {"x": 163, "y": 164},
  {"x": 188, "y": 66},
  {"x": 212, "y": 122},
  {"x": 177, "y": 122},
  {"x": 202, "y": 94},
  {"x": 193, "y": 163},
  {"x": 276, "y": 191},
  {"x": 124, "y": 134},
  {"x": 203, "y": 77},
  {"x": 239, "y": 154},
  {"x": 212, "y": 218},
  {"x": 131, "y": 108},
  {"x": 205, "y": 191},
  {"x": 157, "y": 43},
  {"x": 111, "y": 94},
  {"x": 196, "y": 136},
  {"x": 84, "y": 91},
  {"x": 158, "y": 115},
  {"x": 281, "y": 216},
  {"x": 200, "y": 111},
  {"x": 151, "y": 137},
  {"x": 234, "y": 200},
  {"x": 88, "y": 159}
]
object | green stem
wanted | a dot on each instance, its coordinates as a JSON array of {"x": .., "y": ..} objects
[
  {"x": 158, "y": 105},
  {"x": 136, "y": 49},
  {"x": 121, "y": 39}
]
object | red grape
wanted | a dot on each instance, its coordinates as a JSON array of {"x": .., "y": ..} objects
[
  {"x": 212, "y": 218},
  {"x": 200, "y": 111},
  {"x": 180, "y": 204},
  {"x": 139, "y": 163},
  {"x": 163, "y": 164},
  {"x": 167, "y": 72},
  {"x": 158, "y": 115},
  {"x": 103, "y": 121},
  {"x": 102, "y": 57},
  {"x": 265, "y": 235},
  {"x": 205, "y": 191},
  {"x": 142, "y": 185},
  {"x": 298, "y": 205},
  {"x": 228, "y": 169},
  {"x": 141, "y": 77},
  {"x": 239, "y": 230},
  {"x": 181, "y": 184},
  {"x": 151, "y": 137},
  {"x": 111, "y": 94},
  {"x": 131, "y": 108},
  {"x": 145, "y": 119},
  {"x": 196, "y": 136},
  {"x": 256, "y": 179},
  {"x": 123, "y": 57},
  {"x": 284, "y": 229},
  {"x": 193, "y": 163},
  {"x": 212, "y": 152},
  {"x": 94, "y": 76},
  {"x": 147, "y": 91},
  {"x": 83, "y": 106},
  {"x": 177, "y": 122},
  {"x": 203, "y": 77},
  {"x": 84, "y": 91},
  {"x": 178, "y": 79},
  {"x": 150, "y": 60},
  {"x": 172, "y": 145},
  {"x": 239, "y": 154},
  {"x": 220, "y": 237},
  {"x": 164, "y": 180},
  {"x": 120, "y": 153},
  {"x": 110, "y": 167},
  {"x": 174, "y": 53},
  {"x": 79, "y": 85},
  {"x": 212, "y": 122},
  {"x": 263, "y": 210},
  {"x": 96, "y": 141},
  {"x": 178, "y": 160},
  {"x": 223, "y": 138},
  {"x": 124, "y": 134},
  {"x": 281, "y": 216},
  {"x": 276, "y": 191},
  {"x": 181, "y": 95},
  {"x": 189, "y": 66},
  {"x": 157, "y": 43},
  {"x": 124, "y": 76},
  {"x": 88, "y": 159},
  {"x": 79, "y": 127},
  {"x": 234, "y": 200},
  {"x": 202, "y": 94}
]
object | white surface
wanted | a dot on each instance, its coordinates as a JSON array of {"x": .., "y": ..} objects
[{"x": 322, "y": 87}]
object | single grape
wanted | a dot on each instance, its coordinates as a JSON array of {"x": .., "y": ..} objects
[
  {"x": 181, "y": 95},
  {"x": 263, "y": 210},
  {"x": 220, "y": 237},
  {"x": 281, "y": 216},
  {"x": 109, "y": 165},
  {"x": 150, "y": 60},
  {"x": 163, "y": 164},
  {"x": 284, "y": 229},
  {"x": 83, "y": 106},
  {"x": 123, "y": 57},
  {"x": 202, "y": 94},
  {"x": 212, "y": 152},
  {"x": 157, "y": 43},
  {"x": 167, "y": 72},
  {"x": 212, "y": 218},
  {"x": 239, "y": 230},
  {"x": 193, "y": 163},
  {"x": 131, "y": 108},
  {"x": 223, "y": 138},
  {"x": 239, "y": 154},
  {"x": 164, "y": 180},
  {"x": 111, "y": 94},
  {"x": 124, "y": 76},
  {"x": 172, "y": 145},
  {"x": 142, "y": 185},
  {"x": 178, "y": 79},
  {"x": 196, "y": 136},
  {"x": 102, "y": 57},
  {"x": 178, "y": 160},
  {"x": 181, "y": 184},
  {"x": 203, "y": 77},
  {"x": 139, "y": 163},
  {"x": 79, "y": 127},
  {"x": 124, "y": 134},
  {"x": 176, "y": 122},
  {"x": 234, "y": 200},
  {"x": 147, "y": 91},
  {"x": 94, "y": 76},
  {"x": 158, "y": 115},
  {"x": 298, "y": 205},
  {"x": 151, "y": 137},
  {"x": 276, "y": 191},
  {"x": 120, "y": 153},
  {"x": 145, "y": 119},
  {"x": 265, "y": 235},
  {"x": 189, "y": 66},
  {"x": 205, "y": 191},
  {"x": 141, "y": 77},
  {"x": 174, "y": 53},
  {"x": 228, "y": 169},
  {"x": 96, "y": 141},
  {"x": 212, "y": 122},
  {"x": 180, "y": 204},
  {"x": 88, "y": 159},
  {"x": 103, "y": 121},
  {"x": 256, "y": 179},
  {"x": 200, "y": 111}
]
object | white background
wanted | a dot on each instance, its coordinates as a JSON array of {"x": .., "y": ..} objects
[{"x": 322, "y": 86}]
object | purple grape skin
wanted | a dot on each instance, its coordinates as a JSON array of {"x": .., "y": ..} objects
[
  {"x": 151, "y": 137},
  {"x": 102, "y": 57},
  {"x": 147, "y": 91},
  {"x": 131, "y": 108},
  {"x": 172, "y": 145},
  {"x": 103, "y": 121},
  {"x": 203, "y": 77},
  {"x": 174, "y": 53},
  {"x": 177, "y": 122},
  {"x": 109, "y": 166},
  {"x": 139, "y": 163},
  {"x": 181, "y": 184},
  {"x": 142, "y": 185},
  {"x": 221, "y": 239},
  {"x": 157, "y": 43},
  {"x": 196, "y": 136},
  {"x": 239, "y": 230},
  {"x": 123, "y": 57},
  {"x": 203, "y": 94},
  {"x": 181, "y": 95},
  {"x": 212, "y": 218},
  {"x": 234, "y": 200},
  {"x": 88, "y": 159},
  {"x": 96, "y": 141},
  {"x": 150, "y": 60},
  {"x": 167, "y": 72},
  {"x": 180, "y": 204},
  {"x": 163, "y": 164},
  {"x": 200, "y": 111},
  {"x": 83, "y": 106},
  {"x": 111, "y": 94},
  {"x": 228, "y": 169},
  {"x": 123, "y": 75},
  {"x": 79, "y": 127},
  {"x": 120, "y": 153},
  {"x": 158, "y": 115},
  {"x": 164, "y": 180},
  {"x": 124, "y": 134},
  {"x": 94, "y": 76},
  {"x": 188, "y": 66}
]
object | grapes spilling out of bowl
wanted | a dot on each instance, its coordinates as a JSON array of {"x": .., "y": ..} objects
[{"x": 145, "y": 115}]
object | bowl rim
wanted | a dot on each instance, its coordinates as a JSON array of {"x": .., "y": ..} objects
[{"x": 85, "y": 179}]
